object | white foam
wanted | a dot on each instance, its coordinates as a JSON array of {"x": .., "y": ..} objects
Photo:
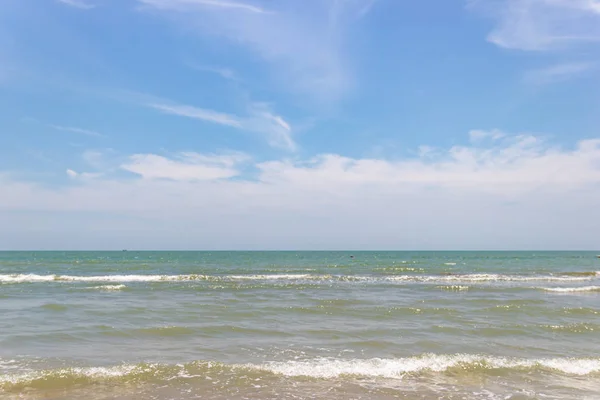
[
  {"x": 277, "y": 277},
  {"x": 459, "y": 278},
  {"x": 8, "y": 364},
  {"x": 30, "y": 278},
  {"x": 91, "y": 372},
  {"x": 454, "y": 287},
  {"x": 328, "y": 368},
  {"x": 108, "y": 287},
  {"x": 487, "y": 278},
  {"x": 396, "y": 368},
  {"x": 450, "y": 263},
  {"x": 18, "y": 278},
  {"x": 572, "y": 289}
]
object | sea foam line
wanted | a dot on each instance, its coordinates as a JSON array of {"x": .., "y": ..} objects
[
  {"x": 488, "y": 278},
  {"x": 572, "y": 289},
  {"x": 459, "y": 278},
  {"x": 108, "y": 287},
  {"x": 321, "y": 368},
  {"x": 394, "y": 368}
]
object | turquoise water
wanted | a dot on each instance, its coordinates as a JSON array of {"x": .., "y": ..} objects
[{"x": 235, "y": 325}]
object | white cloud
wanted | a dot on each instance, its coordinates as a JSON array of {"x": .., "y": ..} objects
[
  {"x": 83, "y": 175},
  {"x": 304, "y": 41},
  {"x": 77, "y": 4},
  {"x": 80, "y": 131},
  {"x": 514, "y": 192},
  {"x": 517, "y": 165},
  {"x": 545, "y": 24},
  {"x": 260, "y": 119},
  {"x": 557, "y": 73},
  {"x": 187, "y": 166}
]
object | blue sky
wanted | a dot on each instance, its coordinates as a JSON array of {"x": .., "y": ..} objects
[{"x": 288, "y": 124}]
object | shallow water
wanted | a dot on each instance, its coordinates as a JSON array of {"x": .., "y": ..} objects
[{"x": 299, "y": 325}]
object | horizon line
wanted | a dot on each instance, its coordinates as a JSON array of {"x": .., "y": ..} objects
[{"x": 296, "y": 250}]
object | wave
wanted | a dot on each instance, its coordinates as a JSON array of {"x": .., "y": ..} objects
[
  {"x": 483, "y": 278},
  {"x": 316, "y": 278},
  {"x": 572, "y": 289},
  {"x": 164, "y": 331},
  {"x": 454, "y": 288},
  {"x": 321, "y": 368},
  {"x": 396, "y": 368},
  {"x": 33, "y": 278},
  {"x": 54, "y": 307},
  {"x": 108, "y": 287},
  {"x": 400, "y": 269},
  {"x": 581, "y": 273},
  {"x": 580, "y": 310},
  {"x": 573, "y": 328}
]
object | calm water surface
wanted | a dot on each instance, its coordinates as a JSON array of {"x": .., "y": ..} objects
[{"x": 299, "y": 325}]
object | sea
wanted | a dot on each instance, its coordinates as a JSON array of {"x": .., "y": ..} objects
[{"x": 299, "y": 325}]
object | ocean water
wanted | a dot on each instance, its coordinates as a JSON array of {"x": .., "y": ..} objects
[{"x": 299, "y": 325}]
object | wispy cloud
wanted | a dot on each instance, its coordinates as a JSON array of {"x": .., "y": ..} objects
[
  {"x": 278, "y": 132},
  {"x": 304, "y": 42},
  {"x": 366, "y": 7},
  {"x": 80, "y": 131},
  {"x": 198, "y": 113},
  {"x": 557, "y": 73},
  {"x": 259, "y": 119},
  {"x": 225, "y": 73},
  {"x": 190, "y": 5},
  {"x": 539, "y": 25},
  {"x": 478, "y": 135},
  {"x": 78, "y": 4}
]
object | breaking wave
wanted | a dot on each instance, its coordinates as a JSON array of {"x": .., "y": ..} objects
[
  {"x": 321, "y": 368},
  {"x": 108, "y": 288},
  {"x": 316, "y": 278},
  {"x": 572, "y": 289}
]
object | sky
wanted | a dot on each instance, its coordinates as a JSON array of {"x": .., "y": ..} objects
[{"x": 300, "y": 124}]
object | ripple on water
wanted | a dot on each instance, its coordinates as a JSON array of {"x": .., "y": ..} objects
[
  {"x": 580, "y": 327},
  {"x": 55, "y": 307}
]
